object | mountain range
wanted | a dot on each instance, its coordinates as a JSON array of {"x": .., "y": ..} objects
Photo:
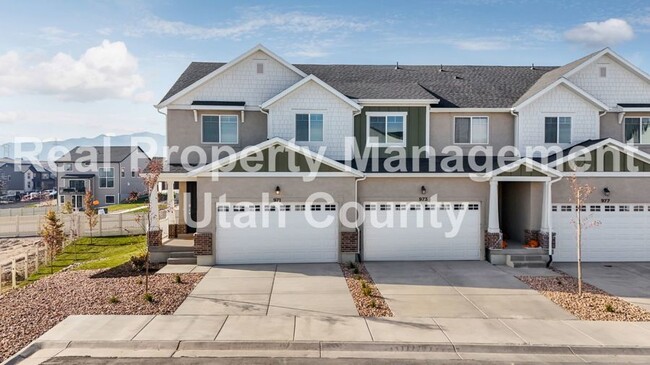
[{"x": 10, "y": 150}]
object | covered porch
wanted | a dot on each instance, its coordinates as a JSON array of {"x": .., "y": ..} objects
[{"x": 519, "y": 217}]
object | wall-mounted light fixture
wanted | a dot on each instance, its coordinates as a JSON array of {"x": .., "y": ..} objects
[
  {"x": 423, "y": 190},
  {"x": 277, "y": 190},
  {"x": 606, "y": 191}
]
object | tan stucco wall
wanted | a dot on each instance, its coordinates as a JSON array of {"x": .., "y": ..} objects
[
  {"x": 625, "y": 190},
  {"x": 183, "y": 131},
  {"x": 500, "y": 125},
  {"x": 521, "y": 208}
]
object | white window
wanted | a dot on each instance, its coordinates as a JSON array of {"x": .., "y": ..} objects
[
  {"x": 557, "y": 130},
  {"x": 637, "y": 130},
  {"x": 219, "y": 128},
  {"x": 309, "y": 127},
  {"x": 78, "y": 185},
  {"x": 471, "y": 130},
  {"x": 122, "y": 172},
  {"x": 106, "y": 177},
  {"x": 110, "y": 199},
  {"x": 62, "y": 197},
  {"x": 386, "y": 129}
]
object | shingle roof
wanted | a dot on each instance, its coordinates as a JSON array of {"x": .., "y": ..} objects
[
  {"x": 455, "y": 86},
  {"x": 115, "y": 153}
]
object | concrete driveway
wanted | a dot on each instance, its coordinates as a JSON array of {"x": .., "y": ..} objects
[
  {"x": 459, "y": 289},
  {"x": 628, "y": 280},
  {"x": 284, "y": 289}
]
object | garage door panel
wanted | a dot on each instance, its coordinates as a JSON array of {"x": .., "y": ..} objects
[
  {"x": 412, "y": 235},
  {"x": 276, "y": 240},
  {"x": 622, "y": 235}
]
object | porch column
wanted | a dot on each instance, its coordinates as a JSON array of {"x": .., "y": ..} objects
[
  {"x": 545, "y": 207},
  {"x": 493, "y": 214},
  {"x": 171, "y": 209}
]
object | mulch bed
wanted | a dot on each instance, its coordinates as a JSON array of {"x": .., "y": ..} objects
[
  {"x": 28, "y": 312},
  {"x": 593, "y": 305},
  {"x": 371, "y": 303}
]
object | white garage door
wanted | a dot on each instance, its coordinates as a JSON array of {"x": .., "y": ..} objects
[
  {"x": 422, "y": 231},
  {"x": 622, "y": 235},
  {"x": 276, "y": 233}
]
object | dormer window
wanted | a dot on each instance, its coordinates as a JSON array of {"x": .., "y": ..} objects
[{"x": 557, "y": 130}]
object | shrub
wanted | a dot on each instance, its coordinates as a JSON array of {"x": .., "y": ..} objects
[
  {"x": 351, "y": 265},
  {"x": 609, "y": 308},
  {"x": 139, "y": 281},
  {"x": 139, "y": 261},
  {"x": 364, "y": 284},
  {"x": 356, "y": 270},
  {"x": 373, "y": 304},
  {"x": 366, "y": 291},
  {"x": 357, "y": 277},
  {"x": 148, "y": 297},
  {"x": 177, "y": 279},
  {"x": 113, "y": 300}
]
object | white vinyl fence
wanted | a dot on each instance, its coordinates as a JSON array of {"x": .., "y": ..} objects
[
  {"x": 18, "y": 268},
  {"x": 27, "y": 211}
]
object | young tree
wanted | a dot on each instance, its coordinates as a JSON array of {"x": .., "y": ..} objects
[
  {"x": 52, "y": 234},
  {"x": 579, "y": 195},
  {"x": 73, "y": 234},
  {"x": 150, "y": 180},
  {"x": 90, "y": 212}
]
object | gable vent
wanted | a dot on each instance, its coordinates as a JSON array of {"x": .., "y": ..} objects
[{"x": 260, "y": 68}]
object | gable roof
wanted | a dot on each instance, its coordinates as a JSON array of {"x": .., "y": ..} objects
[
  {"x": 311, "y": 78},
  {"x": 186, "y": 86},
  {"x": 527, "y": 162},
  {"x": 572, "y": 87},
  {"x": 248, "y": 151},
  {"x": 110, "y": 153},
  {"x": 591, "y": 145}
]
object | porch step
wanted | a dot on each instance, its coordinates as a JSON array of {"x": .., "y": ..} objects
[
  {"x": 181, "y": 261},
  {"x": 526, "y": 260},
  {"x": 186, "y": 236},
  {"x": 182, "y": 254}
]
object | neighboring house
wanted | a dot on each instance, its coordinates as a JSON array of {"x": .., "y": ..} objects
[
  {"x": 600, "y": 102},
  {"x": 23, "y": 177},
  {"x": 111, "y": 173}
]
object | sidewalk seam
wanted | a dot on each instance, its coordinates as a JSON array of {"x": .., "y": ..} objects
[
  {"x": 453, "y": 345},
  {"x": 221, "y": 327},
  {"x": 268, "y": 304},
  {"x": 513, "y": 331},
  {"x": 459, "y": 293},
  {"x": 143, "y": 327},
  {"x": 568, "y": 323},
  {"x": 365, "y": 320}
]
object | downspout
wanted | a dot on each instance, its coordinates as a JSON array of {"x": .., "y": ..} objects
[
  {"x": 550, "y": 223},
  {"x": 268, "y": 130},
  {"x": 512, "y": 111},
  {"x": 356, "y": 199}
]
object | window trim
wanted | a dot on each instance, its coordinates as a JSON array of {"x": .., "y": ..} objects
[
  {"x": 220, "y": 115},
  {"x": 99, "y": 178},
  {"x": 404, "y": 115},
  {"x": 309, "y": 113},
  {"x": 106, "y": 199},
  {"x": 640, "y": 117},
  {"x": 471, "y": 134},
  {"x": 557, "y": 125}
]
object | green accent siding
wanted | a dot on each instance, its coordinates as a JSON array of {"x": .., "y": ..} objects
[
  {"x": 282, "y": 163},
  {"x": 416, "y": 128},
  {"x": 522, "y": 170},
  {"x": 604, "y": 161}
]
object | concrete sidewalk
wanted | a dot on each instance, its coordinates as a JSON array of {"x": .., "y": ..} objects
[{"x": 178, "y": 335}]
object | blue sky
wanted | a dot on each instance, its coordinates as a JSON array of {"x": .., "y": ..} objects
[{"x": 73, "y": 68}]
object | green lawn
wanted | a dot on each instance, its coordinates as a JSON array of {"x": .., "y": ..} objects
[
  {"x": 104, "y": 252},
  {"x": 125, "y": 206}
]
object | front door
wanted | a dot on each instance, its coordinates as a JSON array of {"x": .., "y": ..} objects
[{"x": 77, "y": 201}]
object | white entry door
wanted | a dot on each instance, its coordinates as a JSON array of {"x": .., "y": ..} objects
[
  {"x": 622, "y": 235},
  {"x": 276, "y": 233},
  {"x": 422, "y": 231}
]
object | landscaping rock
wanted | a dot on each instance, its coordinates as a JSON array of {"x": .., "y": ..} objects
[
  {"x": 29, "y": 312},
  {"x": 593, "y": 305},
  {"x": 363, "y": 302}
]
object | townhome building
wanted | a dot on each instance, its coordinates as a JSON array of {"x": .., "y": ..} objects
[
  {"x": 487, "y": 152},
  {"x": 19, "y": 177},
  {"x": 111, "y": 173}
]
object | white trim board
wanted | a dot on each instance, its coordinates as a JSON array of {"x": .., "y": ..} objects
[
  {"x": 569, "y": 85},
  {"x": 637, "y": 153}
]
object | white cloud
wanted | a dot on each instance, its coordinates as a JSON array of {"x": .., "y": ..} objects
[
  {"x": 107, "y": 71},
  {"x": 8, "y": 117},
  {"x": 605, "y": 33},
  {"x": 56, "y": 35},
  {"x": 255, "y": 21}
]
